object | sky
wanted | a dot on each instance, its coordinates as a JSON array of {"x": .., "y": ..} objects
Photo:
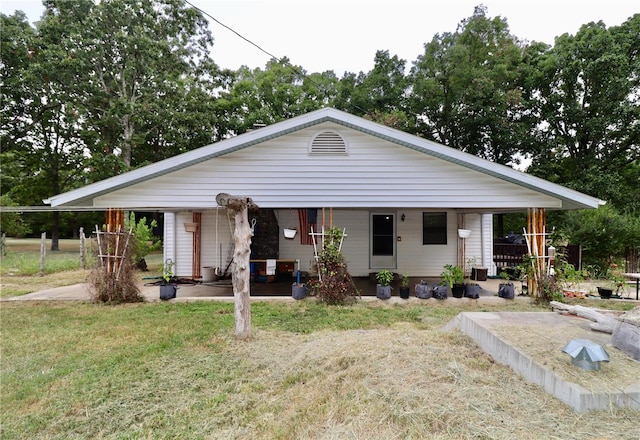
[{"x": 344, "y": 35}]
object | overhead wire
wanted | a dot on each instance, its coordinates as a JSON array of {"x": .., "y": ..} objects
[
  {"x": 233, "y": 30},
  {"x": 283, "y": 60}
]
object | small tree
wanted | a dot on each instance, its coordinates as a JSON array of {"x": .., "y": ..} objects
[
  {"x": 144, "y": 241},
  {"x": 334, "y": 284}
]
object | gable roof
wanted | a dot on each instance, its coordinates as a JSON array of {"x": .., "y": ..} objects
[{"x": 84, "y": 196}]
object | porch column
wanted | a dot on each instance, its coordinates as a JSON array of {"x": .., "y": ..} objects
[
  {"x": 114, "y": 218},
  {"x": 536, "y": 235},
  {"x": 196, "y": 246}
]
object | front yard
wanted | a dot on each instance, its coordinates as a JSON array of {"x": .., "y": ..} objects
[{"x": 367, "y": 371}]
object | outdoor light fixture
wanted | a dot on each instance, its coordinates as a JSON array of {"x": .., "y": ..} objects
[
  {"x": 402, "y": 217},
  {"x": 586, "y": 354}
]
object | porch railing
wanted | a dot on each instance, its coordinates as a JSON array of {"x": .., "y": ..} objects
[{"x": 510, "y": 255}]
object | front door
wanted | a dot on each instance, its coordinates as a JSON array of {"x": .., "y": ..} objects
[{"x": 382, "y": 242}]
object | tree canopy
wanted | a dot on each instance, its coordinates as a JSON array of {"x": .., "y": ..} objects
[{"x": 97, "y": 88}]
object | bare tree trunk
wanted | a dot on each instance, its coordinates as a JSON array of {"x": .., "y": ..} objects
[
  {"x": 602, "y": 323},
  {"x": 240, "y": 206}
]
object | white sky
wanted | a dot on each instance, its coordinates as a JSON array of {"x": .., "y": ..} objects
[{"x": 344, "y": 35}]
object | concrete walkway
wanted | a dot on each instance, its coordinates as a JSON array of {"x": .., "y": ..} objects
[{"x": 222, "y": 291}]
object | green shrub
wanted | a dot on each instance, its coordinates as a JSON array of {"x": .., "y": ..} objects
[{"x": 335, "y": 285}]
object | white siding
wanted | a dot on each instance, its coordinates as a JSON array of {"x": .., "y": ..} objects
[
  {"x": 412, "y": 256},
  {"x": 487, "y": 238},
  {"x": 184, "y": 246},
  {"x": 213, "y": 254},
  {"x": 374, "y": 173},
  {"x": 169, "y": 241}
]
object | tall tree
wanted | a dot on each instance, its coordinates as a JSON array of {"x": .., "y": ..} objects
[
  {"x": 586, "y": 95},
  {"x": 42, "y": 151},
  {"x": 137, "y": 59},
  {"x": 465, "y": 90},
  {"x": 380, "y": 94},
  {"x": 280, "y": 91}
]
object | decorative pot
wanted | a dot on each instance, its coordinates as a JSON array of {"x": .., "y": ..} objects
[
  {"x": 168, "y": 291},
  {"x": 457, "y": 290},
  {"x": 404, "y": 292},
  {"x": 190, "y": 227},
  {"x": 290, "y": 233},
  {"x": 383, "y": 292},
  {"x": 605, "y": 293}
]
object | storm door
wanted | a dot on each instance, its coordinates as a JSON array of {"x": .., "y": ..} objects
[{"x": 382, "y": 242}]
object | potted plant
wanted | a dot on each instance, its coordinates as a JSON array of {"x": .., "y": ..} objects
[
  {"x": 404, "y": 287},
  {"x": 424, "y": 290},
  {"x": 383, "y": 288},
  {"x": 570, "y": 278},
  {"x": 616, "y": 281},
  {"x": 298, "y": 290},
  {"x": 167, "y": 287},
  {"x": 454, "y": 278},
  {"x": 506, "y": 290}
]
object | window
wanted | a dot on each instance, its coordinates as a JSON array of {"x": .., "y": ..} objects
[{"x": 434, "y": 228}]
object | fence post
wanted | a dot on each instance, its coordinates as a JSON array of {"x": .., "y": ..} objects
[
  {"x": 83, "y": 249},
  {"x": 43, "y": 252}
]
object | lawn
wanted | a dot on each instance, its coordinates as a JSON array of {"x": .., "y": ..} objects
[
  {"x": 20, "y": 267},
  {"x": 366, "y": 371}
]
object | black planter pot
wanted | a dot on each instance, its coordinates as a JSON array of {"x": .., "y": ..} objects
[
  {"x": 457, "y": 291},
  {"x": 605, "y": 293},
  {"x": 423, "y": 291},
  {"x": 168, "y": 291},
  {"x": 404, "y": 292},
  {"x": 440, "y": 292},
  {"x": 506, "y": 291},
  {"x": 383, "y": 292},
  {"x": 472, "y": 291},
  {"x": 298, "y": 291}
]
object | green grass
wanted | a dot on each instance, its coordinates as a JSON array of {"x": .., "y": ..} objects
[
  {"x": 20, "y": 267},
  {"x": 160, "y": 370}
]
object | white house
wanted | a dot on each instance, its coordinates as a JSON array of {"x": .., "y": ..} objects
[{"x": 400, "y": 198}]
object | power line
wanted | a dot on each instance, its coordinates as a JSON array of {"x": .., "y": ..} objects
[{"x": 232, "y": 30}]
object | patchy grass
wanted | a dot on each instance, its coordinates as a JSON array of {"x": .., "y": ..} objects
[
  {"x": 367, "y": 371},
  {"x": 20, "y": 268}
]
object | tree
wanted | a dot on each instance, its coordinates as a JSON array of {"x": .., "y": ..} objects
[
  {"x": 280, "y": 91},
  {"x": 466, "y": 92},
  {"x": 585, "y": 94},
  {"x": 604, "y": 235},
  {"x": 135, "y": 61},
  {"x": 379, "y": 95},
  {"x": 42, "y": 150}
]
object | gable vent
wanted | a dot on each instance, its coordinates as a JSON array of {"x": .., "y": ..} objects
[{"x": 328, "y": 143}]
